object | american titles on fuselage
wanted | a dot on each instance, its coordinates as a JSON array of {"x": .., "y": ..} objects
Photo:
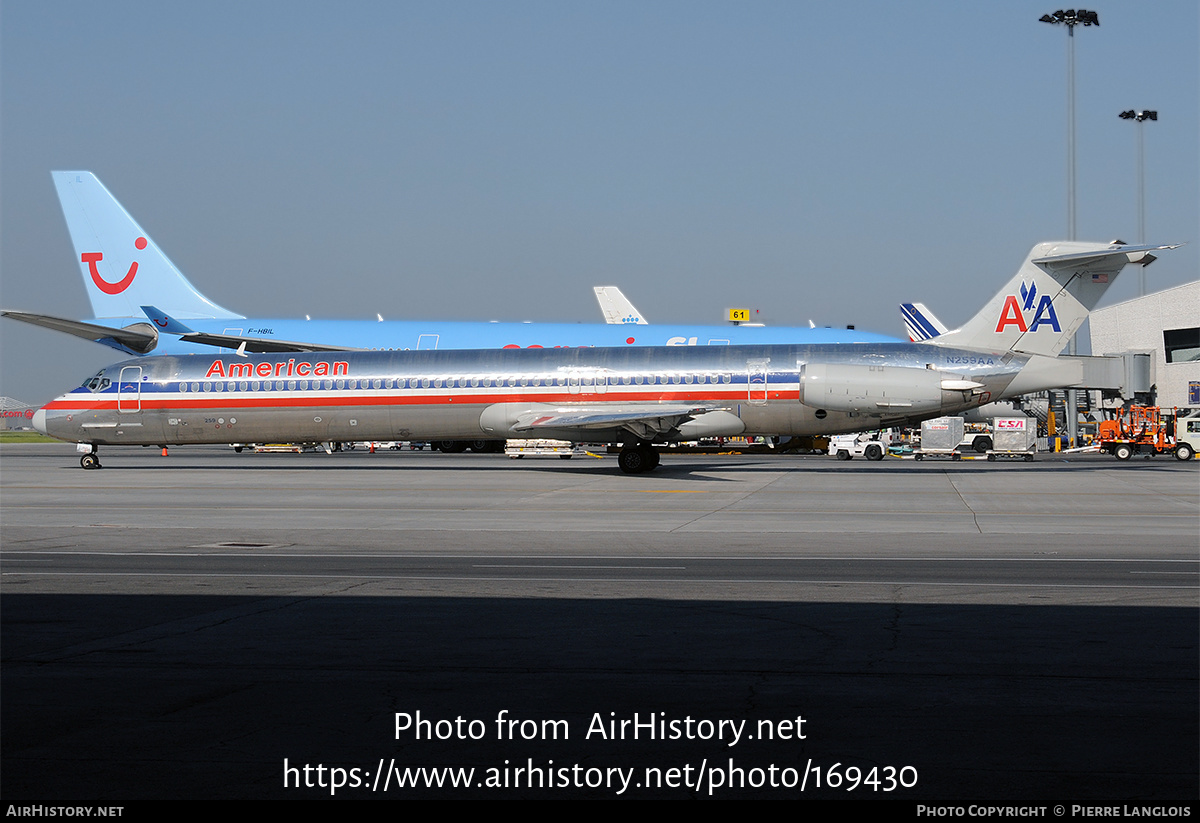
[{"x": 288, "y": 368}]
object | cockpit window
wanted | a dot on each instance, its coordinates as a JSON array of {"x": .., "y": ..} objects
[{"x": 98, "y": 383}]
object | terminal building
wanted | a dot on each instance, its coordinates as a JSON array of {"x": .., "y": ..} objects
[
  {"x": 1166, "y": 327},
  {"x": 15, "y": 415}
]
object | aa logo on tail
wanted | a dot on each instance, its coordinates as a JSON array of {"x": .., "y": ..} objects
[
  {"x": 93, "y": 257},
  {"x": 1014, "y": 312}
]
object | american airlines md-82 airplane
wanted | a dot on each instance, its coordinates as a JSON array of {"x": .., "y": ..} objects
[
  {"x": 635, "y": 396},
  {"x": 143, "y": 303}
]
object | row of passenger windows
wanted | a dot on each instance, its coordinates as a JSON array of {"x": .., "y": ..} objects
[{"x": 585, "y": 381}]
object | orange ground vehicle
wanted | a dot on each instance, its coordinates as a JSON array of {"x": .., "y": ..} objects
[{"x": 1143, "y": 429}]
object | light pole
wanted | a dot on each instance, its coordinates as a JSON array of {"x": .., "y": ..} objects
[
  {"x": 1140, "y": 117},
  {"x": 1071, "y": 18}
]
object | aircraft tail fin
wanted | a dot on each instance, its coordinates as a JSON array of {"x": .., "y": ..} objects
[
  {"x": 122, "y": 268},
  {"x": 1048, "y": 299},
  {"x": 616, "y": 307},
  {"x": 920, "y": 322}
]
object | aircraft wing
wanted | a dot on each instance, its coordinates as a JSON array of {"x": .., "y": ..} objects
[
  {"x": 240, "y": 342},
  {"x": 645, "y": 420},
  {"x": 141, "y": 338},
  {"x": 137, "y": 337},
  {"x": 257, "y": 344}
]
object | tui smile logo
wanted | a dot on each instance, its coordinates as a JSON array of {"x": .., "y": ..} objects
[
  {"x": 1014, "y": 311},
  {"x": 93, "y": 257}
]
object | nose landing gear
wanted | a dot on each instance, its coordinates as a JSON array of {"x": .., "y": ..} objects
[{"x": 90, "y": 461}]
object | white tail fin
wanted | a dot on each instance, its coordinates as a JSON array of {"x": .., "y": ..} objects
[
  {"x": 920, "y": 322},
  {"x": 122, "y": 267},
  {"x": 616, "y": 307},
  {"x": 1048, "y": 299}
]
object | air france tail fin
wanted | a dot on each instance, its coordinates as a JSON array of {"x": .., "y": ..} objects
[
  {"x": 1048, "y": 299},
  {"x": 122, "y": 268},
  {"x": 920, "y": 322},
  {"x": 616, "y": 307}
]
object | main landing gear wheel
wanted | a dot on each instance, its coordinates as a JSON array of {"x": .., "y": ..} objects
[
  {"x": 637, "y": 460},
  {"x": 90, "y": 461}
]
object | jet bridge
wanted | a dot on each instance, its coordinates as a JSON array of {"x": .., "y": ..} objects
[{"x": 1126, "y": 374}]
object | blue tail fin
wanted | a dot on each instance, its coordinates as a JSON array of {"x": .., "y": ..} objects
[{"x": 122, "y": 268}]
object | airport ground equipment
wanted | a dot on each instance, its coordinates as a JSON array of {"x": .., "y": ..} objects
[
  {"x": 278, "y": 448},
  {"x": 1187, "y": 433},
  {"x": 940, "y": 437},
  {"x": 871, "y": 445},
  {"x": 1146, "y": 430},
  {"x": 460, "y": 446},
  {"x": 543, "y": 448},
  {"x": 1013, "y": 437},
  {"x": 979, "y": 442}
]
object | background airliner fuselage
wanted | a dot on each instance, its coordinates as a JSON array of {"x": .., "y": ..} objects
[{"x": 143, "y": 304}]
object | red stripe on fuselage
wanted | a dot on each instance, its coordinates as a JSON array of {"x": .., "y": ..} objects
[{"x": 236, "y": 400}]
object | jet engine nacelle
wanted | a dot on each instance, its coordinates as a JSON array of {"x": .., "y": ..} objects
[
  {"x": 877, "y": 390},
  {"x": 149, "y": 341}
]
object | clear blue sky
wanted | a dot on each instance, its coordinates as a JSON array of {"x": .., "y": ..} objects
[{"x": 481, "y": 160}]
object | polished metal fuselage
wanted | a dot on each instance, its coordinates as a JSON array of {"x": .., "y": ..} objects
[{"x": 472, "y": 394}]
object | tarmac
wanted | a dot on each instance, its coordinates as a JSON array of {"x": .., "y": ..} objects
[{"x": 209, "y": 624}]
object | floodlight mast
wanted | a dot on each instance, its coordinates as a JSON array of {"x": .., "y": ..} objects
[
  {"x": 1140, "y": 117},
  {"x": 1071, "y": 18}
]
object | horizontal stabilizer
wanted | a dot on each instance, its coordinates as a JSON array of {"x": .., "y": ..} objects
[{"x": 1133, "y": 254}]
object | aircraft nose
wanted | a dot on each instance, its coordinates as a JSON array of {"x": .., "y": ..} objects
[{"x": 39, "y": 420}]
